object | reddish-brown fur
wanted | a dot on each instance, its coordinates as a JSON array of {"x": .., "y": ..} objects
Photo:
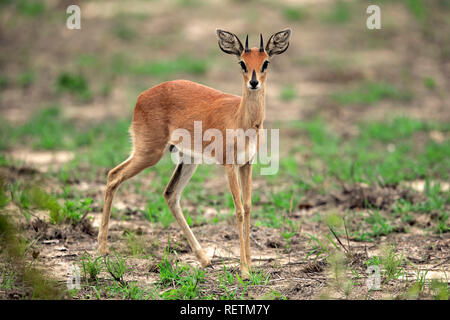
[{"x": 176, "y": 105}]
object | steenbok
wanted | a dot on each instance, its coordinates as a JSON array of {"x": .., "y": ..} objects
[{"x": 173, "y": 105}]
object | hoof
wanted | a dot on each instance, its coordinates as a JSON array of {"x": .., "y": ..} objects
[
  {"x": 103, "y": 250},
  {"x": 245, "y": 275},
  {"x": 204, "y": 261}
]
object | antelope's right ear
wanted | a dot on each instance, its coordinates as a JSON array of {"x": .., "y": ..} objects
[
  {"x": 278, "y": 42},
  {"x": 229, "y": 42}
]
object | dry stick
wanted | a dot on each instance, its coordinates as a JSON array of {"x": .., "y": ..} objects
[
  {"x": 346, "y": 233},
  {"x": 332, "y": 231},
  {"x": 291, "y": 202},
  {"x": 294, "y": 263},
  {"x": 441, "y": 263}
]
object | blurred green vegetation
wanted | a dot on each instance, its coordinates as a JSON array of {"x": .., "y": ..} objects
[{"x": 370, "y": 93}]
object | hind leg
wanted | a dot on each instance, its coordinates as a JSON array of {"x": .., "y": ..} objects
[
  {"x": 127, "y": 169},
  {"x": 178, "y": 182}
]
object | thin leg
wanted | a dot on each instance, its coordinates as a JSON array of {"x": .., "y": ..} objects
[
  {"x": 116, "y": 176},
  {"x": 180, "y": 178},
  {"x": 245, "y": 173},
  {"x": 236, "y": 193}
]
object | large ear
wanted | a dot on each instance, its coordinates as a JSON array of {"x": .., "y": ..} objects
[
  {"x": 278, "y": 42},
  {"x": 229, "y": 42}
]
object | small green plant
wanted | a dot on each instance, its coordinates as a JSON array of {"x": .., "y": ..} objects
[
  {"x": 370, "y": 93},
  {"x": 185, "y": 278},
  {"x": 293, "y": 13},
  {"x": 158, "y": 212},
  {"x": 116, "y": 266},
  {"x": 288, "y": 93},
  {"x": 418, "y": 9},
  {"x": 135, "y": 243},
  {"x": 340, "y": 12},
  {"x": 429, "y": 83},
  {"x": 134, "y": 292},
  {"x": 31, "y": 8},
  {"x": 4, "y": 198},
  {"x": 75, "y": 84},
  {"x": 4, "y": 82},
  {"x": 8, "y": 278},
  {"x": 30, "y": 197},
  {"x": 259, "y": 277},
  {"x": 128, "y": 290},
  {"x": 338, "y": 270},
  {"x": 15, "y": 246},
  {"x": 288, "y": 231},
  {"x": 440, "y": 289},
  {"x": 373, "y": 261},
  {"x": 181, "y": 64},
  {"x": 74, "y": 211},
  {"x": 91, "y": 266},
  {"x": 25, "y": 79},
  {"x": 274, "y": 295},
  {"x": 123, "y": 31},
  {"x": 318, "y": 247},
  {"x": 392, "y": 263}
]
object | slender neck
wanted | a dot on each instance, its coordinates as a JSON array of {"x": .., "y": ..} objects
[{"x": 252, "y": 108}]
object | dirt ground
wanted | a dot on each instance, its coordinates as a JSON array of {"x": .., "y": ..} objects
[{"x": 322, "y": 59}]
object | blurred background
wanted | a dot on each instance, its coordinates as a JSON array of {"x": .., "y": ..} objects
[{"x": 363, "y": 114}]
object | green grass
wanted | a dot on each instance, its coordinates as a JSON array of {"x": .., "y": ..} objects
[
  {"x": 26, "y": 79},
  {"x": 181, "y": 64},
  {"x": 440, "y": 289},
  {"x": 434, "y": 203},
  {"x": 105, "y": 144},
  {"x": 157, "y": 210},
  {"x": 91, "y": 266},
  {"x": 429, "y": 83},
  {"x": 294, "y": 14},
  {"x": 371, "y": 93},
  {"x": 418, "y": 9},
  {"x": 340, "y": 13},
  {"x": 372, "y": 227},
  {"x": 135, "y": 243},
  {"x": 31, "y": 8},
  {"x": 117, "y": 266},
  {"x": 4, "y": 82},
  {"x": 368, "y": 156},
  {"x": 123, "y": 31},
  {"x": 74, "y": 83},
  {"x": 22, "y": 276},
  {"x": 186, "y": 279},
  {"x": 288, "y": 93},
  {"x": 392, "y": 263},
  {"x": 32, "y": 197}
]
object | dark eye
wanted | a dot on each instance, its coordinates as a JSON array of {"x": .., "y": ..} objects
[
  {"x": 264, "y": 66},
  {"x": 243, "y": 66}
]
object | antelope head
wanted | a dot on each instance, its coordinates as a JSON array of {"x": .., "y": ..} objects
[{"x": 254, "y": 62}]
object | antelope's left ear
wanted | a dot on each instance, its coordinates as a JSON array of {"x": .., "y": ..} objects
[
  {"x": 278, "y": 42},
  {"x": 229, "y": 42}
]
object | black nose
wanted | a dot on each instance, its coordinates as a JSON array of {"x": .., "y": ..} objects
[
  {"x": 253, "y": 81},
  {"x": 253, "y": 84}
]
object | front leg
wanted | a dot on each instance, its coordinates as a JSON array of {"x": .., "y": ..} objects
[
  {"x": 236, "y": 193},
  {"x": 245, "y": 173}
]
